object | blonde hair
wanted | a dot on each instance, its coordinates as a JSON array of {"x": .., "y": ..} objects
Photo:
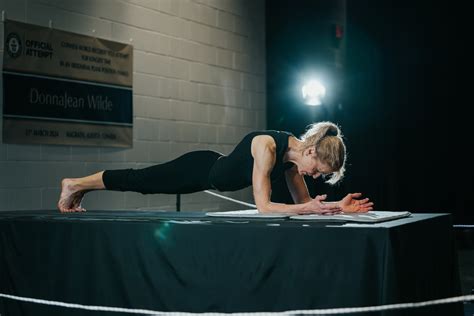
[{"x": 330, "y": 148}]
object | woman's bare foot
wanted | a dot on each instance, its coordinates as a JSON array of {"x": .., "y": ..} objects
[
  {"x": 71, "y": 197},
  {"x": 73, "y": 191}
]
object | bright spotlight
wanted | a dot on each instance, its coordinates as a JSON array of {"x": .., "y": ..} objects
[{"x": 313, "y": 91}]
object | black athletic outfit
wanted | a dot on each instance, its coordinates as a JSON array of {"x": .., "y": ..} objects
[{"x": 200, "y": 170}]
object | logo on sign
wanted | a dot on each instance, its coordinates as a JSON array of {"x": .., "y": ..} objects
[{"x": 13, "y": 45}]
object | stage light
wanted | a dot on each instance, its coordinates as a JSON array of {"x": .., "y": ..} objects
[{"x": 313, "y": 92}]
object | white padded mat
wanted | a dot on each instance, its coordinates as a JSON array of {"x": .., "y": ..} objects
[
  {"x": 247, "y": 214},
  {"x": 369, "y": 217}
]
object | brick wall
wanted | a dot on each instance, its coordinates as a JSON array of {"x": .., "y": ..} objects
[{"x": 199, "y": 83}]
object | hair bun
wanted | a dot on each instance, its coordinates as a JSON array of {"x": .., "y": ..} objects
[{"x": 332, "y": 132}]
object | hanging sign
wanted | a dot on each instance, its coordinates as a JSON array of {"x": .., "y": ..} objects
[{"x": 64, "y": 88}]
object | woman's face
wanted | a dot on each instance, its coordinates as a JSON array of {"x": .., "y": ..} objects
[{"x": 311, "y": 166}]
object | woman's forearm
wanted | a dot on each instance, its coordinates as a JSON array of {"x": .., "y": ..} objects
[
  {"x": 316, "y": 205},
  {"x": 272, "y": 207}
]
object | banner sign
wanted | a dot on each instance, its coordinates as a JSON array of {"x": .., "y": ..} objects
[{"x": 65, "y": 88}]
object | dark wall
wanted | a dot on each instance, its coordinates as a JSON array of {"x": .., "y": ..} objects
[{"x": 402, "y": 96}]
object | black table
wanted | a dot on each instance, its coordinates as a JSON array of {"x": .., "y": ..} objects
[{"x": 170, "y": 261}]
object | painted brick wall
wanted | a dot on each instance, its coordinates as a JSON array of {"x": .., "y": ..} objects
[{"x": 199, "y": 83}]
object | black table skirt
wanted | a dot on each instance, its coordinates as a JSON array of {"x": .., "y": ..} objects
[{"x": 169, "y": 261}]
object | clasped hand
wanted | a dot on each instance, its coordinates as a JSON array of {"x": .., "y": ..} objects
[{"x": 349, "y": 204}]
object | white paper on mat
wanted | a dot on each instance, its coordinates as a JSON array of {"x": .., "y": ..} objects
[
  {"x": 247, "y": 214},
  {"x": 369, "y": 217}
]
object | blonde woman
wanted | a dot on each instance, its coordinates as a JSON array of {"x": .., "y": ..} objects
[{"x": 258, "y": 160}]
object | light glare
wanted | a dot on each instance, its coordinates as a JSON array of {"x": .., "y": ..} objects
[{"x": 313, "y": 92}]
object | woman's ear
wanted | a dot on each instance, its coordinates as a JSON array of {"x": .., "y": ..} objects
[{"x": 310, "y": 151}]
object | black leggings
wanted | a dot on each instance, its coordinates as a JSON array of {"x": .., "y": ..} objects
[{"x": 186, "y": 174}]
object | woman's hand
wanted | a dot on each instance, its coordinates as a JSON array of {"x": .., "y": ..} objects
[
  {"x": 317, "y": 206},
  {"x": 351, "y": 204}
]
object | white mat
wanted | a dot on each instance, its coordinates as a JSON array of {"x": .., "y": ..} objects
[
  {"x": 369, "y": 217},
  {"x": 247, "y": 214}
]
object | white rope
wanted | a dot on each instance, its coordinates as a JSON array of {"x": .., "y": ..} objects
[
  {"x": 230, "y": 199},
  {"x": 80, "y": 306},
  {"x": 344, "y": 310}
]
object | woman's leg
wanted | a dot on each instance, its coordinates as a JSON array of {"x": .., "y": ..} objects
[
  {"x": 73, "y": 190},
  {"x": 186, "y": 174}
]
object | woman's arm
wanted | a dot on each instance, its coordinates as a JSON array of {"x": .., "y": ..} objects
[
  {"x": 264, "y": 154},
  {"x": 297, "y": 186}
]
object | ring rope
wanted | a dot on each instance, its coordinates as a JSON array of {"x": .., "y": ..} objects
[
  {"x": 230, "y": 199},
  {"x": 344, "y": 310}
]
